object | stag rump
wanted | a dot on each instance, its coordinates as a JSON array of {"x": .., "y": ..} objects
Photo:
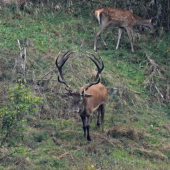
[
  {"x": 88, "y": 98},
  {"x": 122, "y": 19}
]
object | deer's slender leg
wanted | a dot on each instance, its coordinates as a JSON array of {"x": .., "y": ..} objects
[
  {"x": 104, "y": 42},
  {"x": 97, "y": 33},
  {"x": 84, "y": 125},
  {"x": 103, "y": 23},
  {"x": 119, "y": 36},
  {"x": 89, "y": 119},
  {"x": 129, "y": 31}
]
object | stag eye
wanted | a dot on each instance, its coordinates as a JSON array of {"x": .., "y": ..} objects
[{"x": 81, "y": 99}]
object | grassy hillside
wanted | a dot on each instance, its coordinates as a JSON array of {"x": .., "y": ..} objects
[{"x": 137, "y": 128}]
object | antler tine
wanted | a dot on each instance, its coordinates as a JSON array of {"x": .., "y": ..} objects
[
  {"x": 99, "y": 60},
  {"x": 60, "y": 65},
  {"x": 99, "y": 66},
  {"x": 61, "y": 62}
]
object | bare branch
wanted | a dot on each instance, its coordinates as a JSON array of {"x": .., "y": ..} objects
[{"x": 152, "y": 83}]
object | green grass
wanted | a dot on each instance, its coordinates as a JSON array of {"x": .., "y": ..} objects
[{"x": 53, "y": 139}]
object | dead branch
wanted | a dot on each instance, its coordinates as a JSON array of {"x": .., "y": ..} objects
[
  {"x": 20, "y": 63},
  {"x": 153, "y": 85},
  {"x": 158, "y": 5},
  {"x": 48, "y": 73},
  {"x": 61, "y": 156},
  {"x": 153, "y": 65}
]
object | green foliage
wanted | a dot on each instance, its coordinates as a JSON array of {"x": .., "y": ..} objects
[
  {"x": 54, "y": 137},
  {"x": 52, "y": 162},
  {"x": 19, "y": 103},
  {"x": 2, "y": 167},
  {"x": 41, "y": 136}
]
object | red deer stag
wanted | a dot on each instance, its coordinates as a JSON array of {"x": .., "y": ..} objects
[
  {"x": 88, "y": 98},
  {"x": 122, "y": 19}
]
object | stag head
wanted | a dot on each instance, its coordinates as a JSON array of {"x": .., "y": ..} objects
[{"x": 78, "y": 99}]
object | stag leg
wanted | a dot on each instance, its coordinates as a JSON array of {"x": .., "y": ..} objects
[
  {"x": 84, "y": 125},
  {"x": 102, "y": 116},
  {"x": 129, "y": 31},
  {"x": 89, "y": 118},
  {"x": 98, "y": 117},
  {"x": 119, "y": 36}
]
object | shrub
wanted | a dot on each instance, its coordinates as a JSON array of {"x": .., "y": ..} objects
[{"x": 19, "y": 103}]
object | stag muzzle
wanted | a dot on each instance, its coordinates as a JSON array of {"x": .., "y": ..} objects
[{"x": 77, "y": 110}]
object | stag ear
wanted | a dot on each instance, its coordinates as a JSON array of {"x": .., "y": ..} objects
[
  {"x": 82, "y": 93},
  {"x": 87, "y": 95}
]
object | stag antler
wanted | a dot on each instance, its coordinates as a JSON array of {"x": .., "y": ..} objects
[
  {"x": 97, "y": 61},
  {"x": 60, "y": 64},
  {"x": 100, "y": 66}
]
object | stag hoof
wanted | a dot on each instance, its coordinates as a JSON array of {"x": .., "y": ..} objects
[
  {"x": 98, "y": 124},
  {"x": 88, "y": 138}
]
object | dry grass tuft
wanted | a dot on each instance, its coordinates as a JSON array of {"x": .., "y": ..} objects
[
  {"x": 152, "y": 154},
  {"x": 125, "y": 131},
  {"x": 165, "y": 147}
]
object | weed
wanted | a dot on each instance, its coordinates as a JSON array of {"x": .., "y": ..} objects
[{"x": 39, "y": 137}]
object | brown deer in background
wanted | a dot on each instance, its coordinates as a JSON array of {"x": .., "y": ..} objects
[
  {"x": 88, "y": 98},
  {"x": 122, "y": 19}
]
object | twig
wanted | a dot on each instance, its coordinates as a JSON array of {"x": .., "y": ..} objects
[
  {"x": 59, "y": 157},
  {"x": 153, "y": 84},
  {"x": 158, "y": 5},
  {"x": 22, "y": 61},
  {"x": 7, "y": 156},
  {"x": 135, "y": 91},
  {"x": 154, "y": 65},
  {"x": 46, "y": 75}
]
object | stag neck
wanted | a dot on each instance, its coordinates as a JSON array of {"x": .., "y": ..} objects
[{"x": 91, "y": 84}]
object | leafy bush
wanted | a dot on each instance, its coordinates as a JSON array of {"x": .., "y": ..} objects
[{"x": 19, "y": 103}]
